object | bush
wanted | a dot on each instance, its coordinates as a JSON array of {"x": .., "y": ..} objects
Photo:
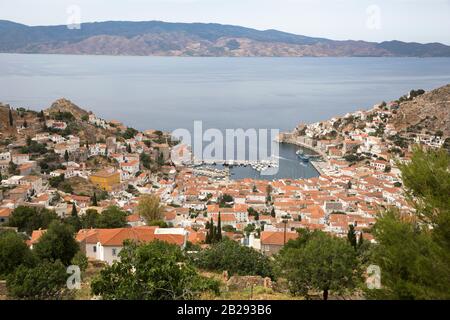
[
  {"x": 154, "y": 271},
  {"x": 80, "y": 260},
  {"x": 13, "y": 253},
  {"x": 45, "y": 281},
  {"x": 230, "y": 256},
  {"x": 27, "y": 219}
]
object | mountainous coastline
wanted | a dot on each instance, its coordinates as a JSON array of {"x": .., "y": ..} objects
[{"x": 156, "y": 38}]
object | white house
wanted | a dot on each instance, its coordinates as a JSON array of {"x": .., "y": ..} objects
[{"x": 106, "y": 244}]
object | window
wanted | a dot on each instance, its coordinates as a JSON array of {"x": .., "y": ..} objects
[
  {"x": 114, "y": 252},
  {"x": 94, "y": 248}
]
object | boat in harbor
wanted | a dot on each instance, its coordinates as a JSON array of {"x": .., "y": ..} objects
[{"x": 302, "y": 156}]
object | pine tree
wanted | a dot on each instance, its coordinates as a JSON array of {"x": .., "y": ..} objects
[
  {"x": 94, "y": 200},
  {"x": 351, "y": 236},
  {"x": 74, "y": 210},
  {"x": 11, "y": 120}
]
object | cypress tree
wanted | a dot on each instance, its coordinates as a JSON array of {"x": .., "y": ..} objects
[
  {"x": 351, "y": 236},
  {"x": 219, "y": 229},
  {"x": 94, "y": 200},
  {"x": 272, "y": 213},
  {"x": 11, "y": 120},
  {"x": 66, "y": 156},
  {"x": 360, "y": 240},
  {"x": 74, "y": 210}
]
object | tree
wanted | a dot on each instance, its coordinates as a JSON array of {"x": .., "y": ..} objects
[
  {"x": 218, "y": 234},
  {"x": 112, "y": 217},
  {"x": 90, "y": 219},
  {"x": 249, "y": 228},
  {"x": 13, "y": 253},
  {"x": 272, "y": 212},
  {"x": 319, "y": 262},
  {"x": 351, "y": 236},
  {"x": 74, "y": 220},
  {"x": 149, "y": 208},
  {"x": 155, "y": 271},
  {"x": 427, "y": 183},
  {"x": 413, "y": 264},
  {"x": 413, "y": 250},
  {"x": 225, "y": 200},
  {"x": 80, "y": 260},
  {"x": 236, "y": 259},
  {"x": 27, "y": 219},
  {"x": 74, "y": 210},
  {"x": 45, "y": 281},
  {"x": 66, "y": 156},
  {"x": 12, "y": 168},
  {"x": 58, "y": 243},
  {"x": 11, "y": 120},
  {"x": 94, "y": 200},
  {"x": 158, "y": 223}
]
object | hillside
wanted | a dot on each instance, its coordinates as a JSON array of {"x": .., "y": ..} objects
[
  {"x": 156, "y": 38},
  {"x": 427, "y": 112}
]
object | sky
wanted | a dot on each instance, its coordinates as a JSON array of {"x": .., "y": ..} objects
[{"x": 371, "y": 20}]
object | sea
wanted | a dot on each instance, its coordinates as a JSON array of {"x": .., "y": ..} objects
[{"x": 170, "y": 93}]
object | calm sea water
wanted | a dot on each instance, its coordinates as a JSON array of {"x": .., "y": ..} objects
[{"x": 170, "y": 93}]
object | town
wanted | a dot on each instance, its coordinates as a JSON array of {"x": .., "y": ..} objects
[{"x": 71, "y": 162}]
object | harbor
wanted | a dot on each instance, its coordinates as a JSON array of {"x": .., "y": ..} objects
[{"x": 286, "y": 165}]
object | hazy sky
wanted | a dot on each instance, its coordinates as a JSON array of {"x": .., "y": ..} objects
[{"x": 375, "y": 20}]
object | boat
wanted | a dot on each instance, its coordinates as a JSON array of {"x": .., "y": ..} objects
[{"x": 302, "y": 156}]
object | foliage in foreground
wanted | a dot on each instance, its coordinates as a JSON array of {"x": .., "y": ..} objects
[
  {"x": 154, "y": 271},
  {"x": 317, "y": 261},
  {"x": 45, "y": 281},
  {"x": 13, "y": 253},
  {"x": 413, "y": 250},
  {"x": 230, "y": 256}
]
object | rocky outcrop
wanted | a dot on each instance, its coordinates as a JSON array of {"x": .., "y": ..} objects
[{"x": 429, "y": 112}]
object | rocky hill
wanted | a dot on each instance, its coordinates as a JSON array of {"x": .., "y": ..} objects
[
  {"x": 427, "y": 112},
  {"x": 64, "y": 105},
  {"x": 156, "y": 38}
]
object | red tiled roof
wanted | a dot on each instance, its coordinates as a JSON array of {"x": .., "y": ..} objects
[{"x": 276, "y": 237}]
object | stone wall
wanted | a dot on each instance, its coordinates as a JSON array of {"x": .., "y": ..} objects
[{"x": 3, "y": 291}]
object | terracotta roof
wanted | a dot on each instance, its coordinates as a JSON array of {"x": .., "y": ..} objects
[
  {"x": 116, "y": 237},
  {"x": 5, "y": 212},
  {"x": 276, "y": 237},
  {"x": 36, "y": 235}
]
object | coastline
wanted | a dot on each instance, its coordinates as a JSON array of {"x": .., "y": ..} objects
[{"x": 285, "y": 138}]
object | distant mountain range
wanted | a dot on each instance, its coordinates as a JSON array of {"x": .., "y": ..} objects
[{"x": 156, "y": 38}]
